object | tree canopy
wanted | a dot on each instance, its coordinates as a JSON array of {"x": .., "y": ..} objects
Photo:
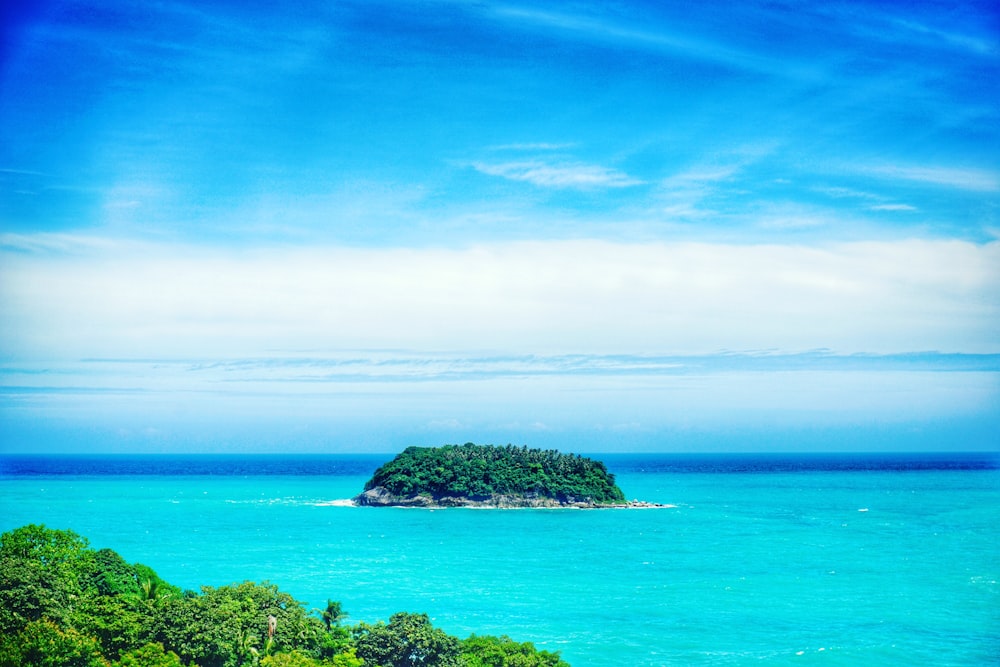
[
  {"x": 64, "y": 604},
  {"x": 483, "y": 471}
]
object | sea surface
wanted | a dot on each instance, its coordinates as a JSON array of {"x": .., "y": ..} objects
[{"x": 778, "y": 560}]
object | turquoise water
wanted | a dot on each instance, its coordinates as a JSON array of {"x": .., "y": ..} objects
[{"x": 797, "y": 561}]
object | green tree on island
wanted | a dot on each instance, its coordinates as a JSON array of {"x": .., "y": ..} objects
[{"x": 480, "y": 472}]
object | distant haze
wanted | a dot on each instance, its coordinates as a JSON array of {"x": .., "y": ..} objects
[{"x": 360, "y": 226}]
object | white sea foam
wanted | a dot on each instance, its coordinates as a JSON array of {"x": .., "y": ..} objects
[{"x": 341, "y": 502}]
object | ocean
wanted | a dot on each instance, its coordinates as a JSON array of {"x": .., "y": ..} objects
[{"x": 776, "y": 559}]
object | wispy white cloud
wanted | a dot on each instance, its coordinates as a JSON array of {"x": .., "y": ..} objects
[
  {"x": 917, "y": 30},
  {"x": 683, "y": 195},
  {"x": 21, "y": 172},
  {"x": 838, "y": 192},
  {"x": 979, "y": 45},
  {"x": 792, "y": 217},
  {"x": 703, "y": 174},
  {"x": 973, "y": 179},
  {"x": 558, "y": 175},
  {"x": 883, "y": 204},
  {"x": 298, "y": 372},
  {"x": 527, "y": 297},
  {"x": 606, "y": 28}
]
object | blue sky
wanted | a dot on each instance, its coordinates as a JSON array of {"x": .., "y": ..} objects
[{"x": 592, "y": 226}]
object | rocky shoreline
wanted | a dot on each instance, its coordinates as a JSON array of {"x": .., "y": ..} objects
[{"x": 382, "y": 497}]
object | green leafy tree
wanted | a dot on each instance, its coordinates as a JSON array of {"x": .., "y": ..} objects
[
  {"x": 195, "y": 631},
  {"x": 488, "y": 651},
  {"x": 119, "y": 623},
  {"x": 54, "y": 575},
  {"x": 228, "y": 626},
  {"x": 299, "y": 659},
  {"x": 245, "y": 649},
  {"x": 52, "y": 548},
  {"x": 335, "y": 642},
  {"x": 150, "y": 655},
  {"x": 44, "y": 644},
  {"x": 348, "y": 658},
  {"x": 151, "y": 587},
  {"x": 40, "y": 574},
  {"x": 409, "y": 640},
  {"x": 291, "y": 659},
  {"x": 112, "y": 575},
  {"x": 333, "y": 614},
  {"x": 29, "y": 591}
]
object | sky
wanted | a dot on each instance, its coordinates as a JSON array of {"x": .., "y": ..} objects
[{"x": 592, "y": 226}]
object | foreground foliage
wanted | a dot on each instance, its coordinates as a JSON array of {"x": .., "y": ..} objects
[
  {"x": 481, "y": 471},
  {"x": 63, "y": 604}
]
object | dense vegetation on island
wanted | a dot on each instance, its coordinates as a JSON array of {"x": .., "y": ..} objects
[
  {"x": 64, "y": 604},
  {"x": 481, "y": 472}
]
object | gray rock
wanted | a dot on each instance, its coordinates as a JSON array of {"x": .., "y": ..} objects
[{"x": 382, "y": 497}]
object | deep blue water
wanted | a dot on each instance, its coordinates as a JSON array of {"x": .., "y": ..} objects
[{"x": 782, "y": 559}]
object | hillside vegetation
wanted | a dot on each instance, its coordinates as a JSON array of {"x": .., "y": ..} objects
[
  {"x": 482, "y": 472},
  {"x": 63, "y": 604}
]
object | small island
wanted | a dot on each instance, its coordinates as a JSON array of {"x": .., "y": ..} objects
[{"x": 490, "y": 476}]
